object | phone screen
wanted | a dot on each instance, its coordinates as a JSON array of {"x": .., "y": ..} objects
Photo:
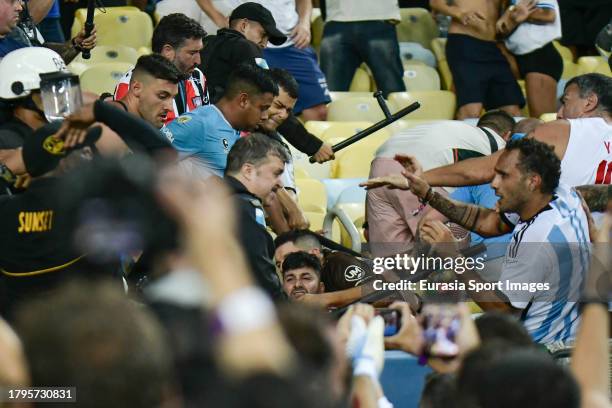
[
  {"x": 441, "y": 323},
  {"x": 392, "y": 318}
]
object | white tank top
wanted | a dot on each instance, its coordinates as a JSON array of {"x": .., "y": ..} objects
[{"x": 588, "y": 158}]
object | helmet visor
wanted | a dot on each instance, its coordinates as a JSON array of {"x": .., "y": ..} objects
[{"x": 61, "y": 95}]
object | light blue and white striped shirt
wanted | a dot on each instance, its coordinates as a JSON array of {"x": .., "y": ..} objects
[{"x": 553, "y": 248}]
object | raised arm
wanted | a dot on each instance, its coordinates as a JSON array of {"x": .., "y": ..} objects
[
  {"x": 470, "y": 172},
  {"x": 215, "y": 15},
  {"x": 481, "y": 220}
]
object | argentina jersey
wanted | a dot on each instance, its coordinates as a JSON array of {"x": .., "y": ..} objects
[
  {"x": 203, "y": 139},
  {"x": 551, "y": 249}
]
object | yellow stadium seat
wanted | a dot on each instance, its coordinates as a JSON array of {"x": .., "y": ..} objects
[
  {"x": 120, "y": 25},
  {"x": 570, "y": 68},
  {"x": 104, "y": 54},
  {"x": 421, "y": 78},
  {"x": 103, "y": 77},
  {"x": 417, "y": 25},
  {"x": 316, "y": 224},
  {"x": 548, "y": 117},
  {"x": 354, "y": 161},
  {"x": 410, "y": 62},
  {"x": 316, "y": 28},
  {"x": 343, "y": 129},
  {"x": 362, "y": 81},
  {"x": 355, "y": 109},
  {"x": 144, "y": 51},
  {"x": 438, "y": 46},
  {"x": 311, "y": 195},
  {"x": 587, "y": 65},
  {"x": 301, "y": 173},
  {"x": 434, "y": 104},
  {"x": 337, "y": 95},
  {"x": 317, "y": 127},
  {"x": 315, "y": 170},
  {"x": 446, "y": 76},
  {"x": 565, "y": 52},
  {"x": 356, "y": 212}
]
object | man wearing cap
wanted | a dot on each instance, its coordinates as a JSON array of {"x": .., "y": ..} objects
[{"x": 251, "y": 27}]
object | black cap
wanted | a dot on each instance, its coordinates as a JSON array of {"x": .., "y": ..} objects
[
  {"x": 257, "y": 12},
  {"x": 42, "y": 152}
]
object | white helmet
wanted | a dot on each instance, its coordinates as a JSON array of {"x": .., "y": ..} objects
[{"x": 20, "y": 70}]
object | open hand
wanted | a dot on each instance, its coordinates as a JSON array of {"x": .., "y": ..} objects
[
  {"x": 301, "y": 35},
  {"x": 393, "y": 181}
]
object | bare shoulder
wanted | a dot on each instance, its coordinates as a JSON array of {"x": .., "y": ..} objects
[{"x": 555, "y": 133}]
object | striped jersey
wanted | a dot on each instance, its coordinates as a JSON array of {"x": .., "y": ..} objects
[
  {"x": 550, "y": 248},
  {"x": 529, "y": 37},
  {"x": 193, "y": 92}
]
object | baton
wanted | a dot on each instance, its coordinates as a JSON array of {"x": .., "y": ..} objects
[
  {"x": 89, "y": 24},
  {"x": 389, "y": 118}
]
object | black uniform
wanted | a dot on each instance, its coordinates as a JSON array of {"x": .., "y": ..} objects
[
  {"x": 226, "y": 51},
  {"x": 35, "y": 253},
  {"x": 255, "y": 239}
]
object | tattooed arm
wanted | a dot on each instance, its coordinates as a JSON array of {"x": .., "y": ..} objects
[
  {"x": 481, "y": 220},
  {"x": 597, "y": 196}
]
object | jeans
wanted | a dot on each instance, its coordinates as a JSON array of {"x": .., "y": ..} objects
[
  {"x": 51, "y": 30},
  {"x": 346, "y": 45}
]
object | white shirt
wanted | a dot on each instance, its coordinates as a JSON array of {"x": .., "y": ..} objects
[
  {"x": 362, "y": 10},
  {"x": 439, "y": 143},
  {"x": 529, "y": 37},
  {"x": 552, "y": 247},
  {"x": 588, "y": 157}
]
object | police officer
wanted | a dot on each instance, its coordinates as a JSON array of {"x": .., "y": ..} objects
[
  {"x": 36, "y": 252},
  {"x": 254, "y": 168},
  {"x": 251, "y": 26}
]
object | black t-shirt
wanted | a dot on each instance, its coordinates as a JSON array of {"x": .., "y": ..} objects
[
  {"x": 222, "y": 54},
  {"x": 255, "y": 239},
  {"x": 343, "y": 271},
  {"x": 35, "y": 253},
  {"x": 13, "y": 133}
]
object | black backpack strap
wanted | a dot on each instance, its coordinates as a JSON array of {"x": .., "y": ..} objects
[{"x": 492, "y": 141}]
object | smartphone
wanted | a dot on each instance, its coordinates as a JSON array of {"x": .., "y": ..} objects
[
  {"x": 441, "y": 323},
  {"x": 392, "y": 318}
]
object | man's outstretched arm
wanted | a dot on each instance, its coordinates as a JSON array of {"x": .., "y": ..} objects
[{"x": 470, "y": 172}]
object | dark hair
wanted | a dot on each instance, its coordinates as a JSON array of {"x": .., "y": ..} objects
[
  {"x": 498, "y": 120},
  {"x": 502, "y": 376},
  {"x": 502, "y": 326},
  {"x": 254, "y": 149},
  {"x": 298, "y": 237},
  {"x": 174, "y": 29},
  {"x": 594, "y": 83},
  {"x": 539, "y": 158},
  {"x": 89, "y": 335},
  {"x": 283, "y": 238},
  {"x": 301, "y": 259},
  {"x": 250, "y": 79},
  {"x": 285, "y": 80},
  {"x": 158, "y": 67},
  {"x": 439, "y": 391}
]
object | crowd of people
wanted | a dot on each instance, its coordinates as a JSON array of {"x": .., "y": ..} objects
[{"x": 154, "y": 251}]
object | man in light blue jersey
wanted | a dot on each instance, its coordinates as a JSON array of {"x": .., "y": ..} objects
[
  {"x": 205, "y": 136},
  {"x": 548, "y": 254}
]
